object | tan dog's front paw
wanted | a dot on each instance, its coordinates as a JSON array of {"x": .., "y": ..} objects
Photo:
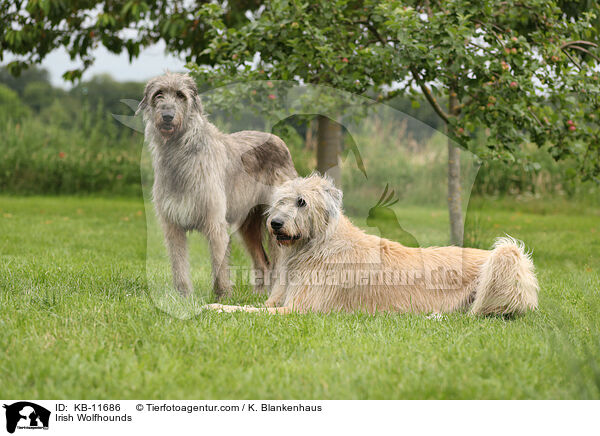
[
  {"x": 278, "y": 310},
  {"x": 228, "y": 308},
  {"x": 214, "y": 306},
  {"x": 270, "y": 303}
]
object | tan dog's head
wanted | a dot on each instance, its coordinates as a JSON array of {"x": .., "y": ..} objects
[
  {"x": 169, "y": 100},
  {"x": 304, "y": 209}
]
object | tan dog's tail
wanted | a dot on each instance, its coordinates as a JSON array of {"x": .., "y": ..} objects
[{"x": 507, "y": 281}]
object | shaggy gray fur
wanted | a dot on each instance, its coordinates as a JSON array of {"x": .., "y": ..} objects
[{"x": 207, "y": 180}]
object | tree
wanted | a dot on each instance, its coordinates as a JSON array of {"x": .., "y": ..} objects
[
  {"x": 11, "y": 107},
  {"x": 522, "y": 70},
  {"x": 32, "y": 29},
  {"x": 19, "y": 83},
  {"x": 40, "y": 95},
  {"x": 103, "y": 88},
  {"x": 518, "y": 69}
]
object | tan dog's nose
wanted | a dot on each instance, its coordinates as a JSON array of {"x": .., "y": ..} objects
[{"x": 276, "y": 224}]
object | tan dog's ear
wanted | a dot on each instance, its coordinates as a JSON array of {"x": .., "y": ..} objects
[
  {"x": 336, "y": 196},
  {"x": 333, "y": 198},
  {"x": 332, "y": 195}
]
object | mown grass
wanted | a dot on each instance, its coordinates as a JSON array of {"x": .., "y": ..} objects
[{"x": 76, "y": 320}]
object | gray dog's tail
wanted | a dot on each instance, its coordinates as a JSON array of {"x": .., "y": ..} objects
[{"x": 507, "y": 281}]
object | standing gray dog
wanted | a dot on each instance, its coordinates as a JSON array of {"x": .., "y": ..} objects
[{"x": 207, "y": 180}]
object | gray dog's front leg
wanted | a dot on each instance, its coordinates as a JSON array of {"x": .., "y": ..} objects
[{"x": 176, "y": 242}]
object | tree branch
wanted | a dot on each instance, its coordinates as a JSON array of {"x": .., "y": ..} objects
[
  {"x": 586, "y": 51},
  {"x": 580, "y": 42},
  {"x": 373, "y": 30},
  {"x": 572, "y": 59},
  {"x": 481, "y": 47},
  {"x": 482, "y": 24},
  {"x": 536, "y": 118},
  {"x": 430, "y": 98}
]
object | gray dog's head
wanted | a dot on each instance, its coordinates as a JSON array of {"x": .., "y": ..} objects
[
  {"x": 304, "y": 209},
  {"x": 169, "y": 102}
]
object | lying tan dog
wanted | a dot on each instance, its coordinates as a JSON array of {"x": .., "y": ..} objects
[{"x": 325, "y": 263}]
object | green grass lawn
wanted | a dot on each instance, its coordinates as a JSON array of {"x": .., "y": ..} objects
[{"x": 76, "y": 319}]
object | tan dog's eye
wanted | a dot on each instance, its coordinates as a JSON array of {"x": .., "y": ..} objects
[
  {"x": 157, "y": 95},
  {"x": 300, "y": 202},
  {"x": 180, "y": 95}
]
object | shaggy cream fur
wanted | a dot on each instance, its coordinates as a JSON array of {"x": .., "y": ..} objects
[{"x": 325, "y": 263}]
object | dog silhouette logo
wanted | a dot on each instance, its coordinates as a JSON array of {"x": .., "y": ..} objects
[
  {"x": 382, "y": 213},
  {"x": 26, "y": 415}
]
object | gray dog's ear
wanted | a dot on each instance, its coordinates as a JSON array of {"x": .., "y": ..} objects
[
  {"x": 145, "y": 99},
  {"x": 190, "y": 83},
  {"x": 197, "y": 102},
  {"x": 141, "y": 106}
]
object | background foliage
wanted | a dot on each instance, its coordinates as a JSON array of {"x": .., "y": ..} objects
[
  {"x": 523, "y": 72},
  {"x": 58, "y": 141}
]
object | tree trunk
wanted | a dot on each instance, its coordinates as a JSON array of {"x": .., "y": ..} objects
[
  {"x": 329, "y": 141},
  {"x": 454, "y": 189},
  {"x": 309, "y": 142}
]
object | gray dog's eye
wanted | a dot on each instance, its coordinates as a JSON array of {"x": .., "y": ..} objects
[
  {"x": 180, "y": 95},
  {"x": 300, "y": 202},
  {"x": 157, "y": 95}
]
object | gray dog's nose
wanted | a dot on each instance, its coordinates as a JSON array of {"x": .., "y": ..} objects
[
  {"x": 276, "y": 224},
  {"x": 167, "y": 117}
]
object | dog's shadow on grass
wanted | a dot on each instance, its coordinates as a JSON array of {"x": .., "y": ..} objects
[{"x": 170, "y": 301}]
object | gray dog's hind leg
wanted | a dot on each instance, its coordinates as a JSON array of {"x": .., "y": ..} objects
[
  {"x": 218, "y": 240},
  {"x": 252, "y": 234},
  {"x": 176, "y": 242}
]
